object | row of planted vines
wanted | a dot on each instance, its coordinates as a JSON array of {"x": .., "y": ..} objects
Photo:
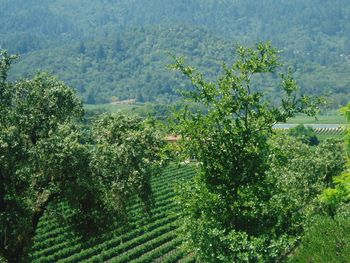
[{"x": 143, "y": 239}]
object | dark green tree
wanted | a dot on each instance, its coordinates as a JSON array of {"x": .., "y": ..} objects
[
  {"x": 33, "y": 111},
  {"x": 82, "y": 48},
  {"x": 128, "y": 151},
  {"x": 101, "y": 53},
  {"x": 45, "y": 155},
  {"x": 305, "y": 134}
]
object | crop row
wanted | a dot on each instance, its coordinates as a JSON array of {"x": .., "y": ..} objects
[
  {"x": 145, "y": 247},
  {"x": 172, "y": 256},
  {"x": 330, "y": 131},
  {"x": 144, "y": 239},
  {"x": 158, "y": 251},
  {"x": 57, "y": 234},
  {"x": 159, "y": 219},
  {"x": 91, "y": 251},
  {"x": 115, "y": 251},
  {"x": 45, "y": 234},
  {"x": 163, "y": 184}
]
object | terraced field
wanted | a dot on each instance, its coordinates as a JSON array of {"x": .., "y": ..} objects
[
  {"x": 331, "y": 131},
  {"x": 144, "y": 239}
]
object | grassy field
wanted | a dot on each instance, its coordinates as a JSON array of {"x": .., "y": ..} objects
[
  {"x": 112, "y": 107},
  {"x": 144, "y": 239},
  {"x": 323, "y": 137},
  {"x": 320, "y": 119}
]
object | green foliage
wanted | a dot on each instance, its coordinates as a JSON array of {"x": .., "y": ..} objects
[
  {"x": 326, "y": 240},
  {"x": 127, "y": 152},
  {"x": 305, "y": 134},
  {"x": 335, "y": 197},
  {"x": 338, "y": 194},
  {"x": 33, "y": 114},
  {"x": 230, "y": 201},
  {"x": 346, "y": 112},
  {"x": 138, "y": 72},
  {"x": 327, "y": 236},
  {"x": 45, "y": 155},
  {"x": 120, "y": 48}
]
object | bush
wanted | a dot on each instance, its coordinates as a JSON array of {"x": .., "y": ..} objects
[
  {"x": 326, "y": 240},
  {"x": 305, "y": 134}
]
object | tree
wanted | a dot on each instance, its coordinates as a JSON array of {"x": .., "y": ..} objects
[
  {"x": 305, "y": 134},
  {"x": 225, "y": 217},
  {"x": 346, "y": 112},
  {"x": 336, "y": 197},
  {"x": 127, "y": 152},
  {"x": 82, "y": 48},
  {"x": 32, "y": 114},
  {"x": 326, "y": 236},
  {"x": 101, "y": 53},
  {"x": 46, "y": 155}
]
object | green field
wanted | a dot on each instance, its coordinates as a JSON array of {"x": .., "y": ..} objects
[
  {"x": 320, "y": 119},
  {"x": 145, "y": 239},
  {"x": 112, "y": 107},
  {"x": 332, "y": 118}
]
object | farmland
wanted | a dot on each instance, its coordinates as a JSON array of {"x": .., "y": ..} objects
[{"x": 142, "y": 240}]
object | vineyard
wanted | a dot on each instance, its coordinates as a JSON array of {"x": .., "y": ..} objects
[
  {"x": 144, "y": 239},
  {"x": 323, "y": 131},
  {"x": 330, "y": 131}
]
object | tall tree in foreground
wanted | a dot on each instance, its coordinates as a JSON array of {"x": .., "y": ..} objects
[
  {"x": 45, "y": 155},
  {"x": 33, "y": 112},
  {"x": 226, "y": 215}
]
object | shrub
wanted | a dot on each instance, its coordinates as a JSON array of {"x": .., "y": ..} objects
[{"x": 326, "y": 240}]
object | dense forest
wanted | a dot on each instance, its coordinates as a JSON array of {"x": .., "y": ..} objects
[{"x": 115, "y": 50}]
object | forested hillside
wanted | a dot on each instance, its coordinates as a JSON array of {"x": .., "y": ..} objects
[{"x": 119, "y": 49}]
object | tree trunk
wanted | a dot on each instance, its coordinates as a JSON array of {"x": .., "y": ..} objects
[
  {"x": 39, "y": 211},
  {"x": 2, "y": 192},
  {"x": 20, "y": 253}
]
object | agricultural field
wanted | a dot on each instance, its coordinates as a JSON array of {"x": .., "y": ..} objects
[
  {"x": 333, "y": 118},
  {"x": 330, "y": 133},
  {"x": 144, "y": 239},
  {"x": 112, "y": 107}
]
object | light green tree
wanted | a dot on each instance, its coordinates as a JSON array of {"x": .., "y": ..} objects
[
  {"x": 337, "y": 196},
  {"x": 225, "y": 212}
]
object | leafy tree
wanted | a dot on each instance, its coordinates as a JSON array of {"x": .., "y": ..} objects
[
  {"x": 327, "y": 234},
  {"x": 298, "y": 174},
  {"x": 346, "y": 112},
  {"x": 225, "y": 216},
  {"x": 133, "y": 155},
  {"x": 82, "y": 48},
  {"x": 46, "y": 155},
  {"x": 305, "y": 134},
  {"x": 33, "y": 113},
  {"x": 101, "y": 53},
  {"x": 337, "y": 196}
]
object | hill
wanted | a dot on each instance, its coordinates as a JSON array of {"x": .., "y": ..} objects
[{"x": 111, "y": 49}]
